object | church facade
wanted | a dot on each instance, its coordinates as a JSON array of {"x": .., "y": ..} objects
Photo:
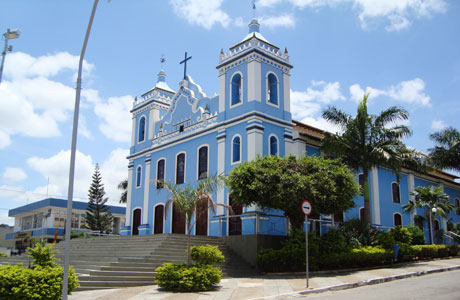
[{"x": 181, "y": 136}]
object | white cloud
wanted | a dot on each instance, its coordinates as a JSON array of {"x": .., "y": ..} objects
[
  {"x": 5, "y": 140},
  {"x": 438, "y": 125},
  {"x": 204, "y": 13},
  {"x": 321, "y": 124},
  {"x": 115, "y": 117},
  {"x": 14, "y": 174},
  {"x": 83, "y": 128},
  {"x": 268, "y": 3},
  {"x": 285, "y": 20},
  {"x": 113, "y": 171},
  {"x": 410, "y": 91},
  {"x": 396, "y": 12}
]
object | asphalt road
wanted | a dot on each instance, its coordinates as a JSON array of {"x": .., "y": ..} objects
[{"x": 438, "y": 286}]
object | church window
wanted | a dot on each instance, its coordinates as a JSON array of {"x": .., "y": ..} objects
[
  {"x": 180, "y": 168},
  {"x": 203, "y": 162},
  {"x": 457, "y": 206},
  {"x": 236, "y": 149},
  {"x": 141, "y": 136},
  {"x": 397, "y": 219},
  {"x": 160, "y": 173},
  {"x": 273, "y": 145},
  {"x": 138, "y": 176},
  {"x": 236, "y": 89},
  {"x": 395, "y": 192},
  {"x": 272, "y": 89},
  {"x": 361, "y": 180},
  {"x": 361, "y": 213}
]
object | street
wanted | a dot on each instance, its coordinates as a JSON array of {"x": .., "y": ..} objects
[{"x": 439, "y": 286}]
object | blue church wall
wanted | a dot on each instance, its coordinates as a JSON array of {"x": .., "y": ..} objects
[
  {"x": 269, "y": 108},
  {"x": 387, "y": 207},
  {"x": 312, "y": 151},
  {"x": 276, "y": 131},
  {"x": 453, "y": 194},
  {"x": 421, "y": 211},
  {"x": 141, "y": 145}
]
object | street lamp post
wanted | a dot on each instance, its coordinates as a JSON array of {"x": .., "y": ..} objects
[
  {"x": 68, "y": 223},
  {"x": 8, "y": 35},
  {"x": 432, "y": 211}
]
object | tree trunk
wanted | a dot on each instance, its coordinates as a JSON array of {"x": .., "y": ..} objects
[
  {"x": 189, "y": 246},
  {"x": 367, "y": 207}
]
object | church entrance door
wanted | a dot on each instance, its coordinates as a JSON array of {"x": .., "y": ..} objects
[
  {"x": 159, "y": 217},
  {"x": 178, "y": 221},
  {"x": 136, "y": 221},
  {"x": 234, "y": 226},
  {"x": 201, "y": 227}
]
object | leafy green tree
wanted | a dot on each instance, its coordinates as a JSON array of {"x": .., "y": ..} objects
[
  {"x": 193, "y": 200},
  {"x": 446, "y": 153},
  {"x": 283, "y": 183},
  {"x": 123, "y": 186},
  {"x": 98, "y": 216},
  {"x": 368, "y": 141},
  {"x": 429, "y": 197}
]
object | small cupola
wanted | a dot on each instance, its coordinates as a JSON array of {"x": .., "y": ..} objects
[{"x": 254, "y": 26}]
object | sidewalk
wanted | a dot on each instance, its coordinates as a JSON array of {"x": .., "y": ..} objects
[{"x": 272, "y": 286}]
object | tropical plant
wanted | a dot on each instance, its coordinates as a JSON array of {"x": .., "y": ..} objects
[
  {"x": 284, "y": 183},
  {"x": 446, "y": 153},
  {"x": 192, "y": 201},
  {"x": 123, "y": 186},
  {"x": 369, "y": 141},
  {"x": 98, "y": 216},
  {"x": 429, "y": 197}
]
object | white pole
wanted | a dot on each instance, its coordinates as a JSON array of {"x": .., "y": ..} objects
[
  {"x": 431, "y": 228},
  {"x": 68, "y": 223},
  {"x": 306, "y": 248}
]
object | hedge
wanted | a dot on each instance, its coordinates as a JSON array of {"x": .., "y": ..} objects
[
  {"x": 357, "y": 257},
  {"x": 44, "y": 283},
  {"x": 179, "y": 277},
  {"x": 435, "y": 251}
]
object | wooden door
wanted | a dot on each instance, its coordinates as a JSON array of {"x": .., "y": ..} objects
[
  {"x": 136, "y": 221},
  {"x": 201, "y": 226},
  {"x": 178, "y": 221},
  {"x": 159, "y": 219},
  {"x": 235, "y": 226}
]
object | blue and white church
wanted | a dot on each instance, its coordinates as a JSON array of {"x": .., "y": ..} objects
[{"x": 182, "y": 135}]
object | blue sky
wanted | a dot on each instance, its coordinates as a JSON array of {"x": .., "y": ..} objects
[{"x": 404, "y": 52}]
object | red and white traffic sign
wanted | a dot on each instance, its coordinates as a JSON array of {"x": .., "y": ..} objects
[{"x": 306, "y": 207}]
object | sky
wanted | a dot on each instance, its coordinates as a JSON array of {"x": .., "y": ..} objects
[{"x": 404, "y": 52}]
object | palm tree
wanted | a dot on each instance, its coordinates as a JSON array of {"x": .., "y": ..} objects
[
  {"x": 446, "y": 153},
  {"x": 123, "y": 186},
  {"x": 194, "y": 200},
  {"x": 432, "y": 199},
  {"x": 369, "y": 141}
]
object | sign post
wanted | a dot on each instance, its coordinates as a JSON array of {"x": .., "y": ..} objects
[{"x": 306, "y": 209}]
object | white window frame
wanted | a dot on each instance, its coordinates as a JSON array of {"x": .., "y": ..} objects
[
  {"x": 140, "y": 181},
  {"x": 156, "y": 170},
  {"x": 399, "y": 189},
  {"x": 277, "y": 144},
  {"x": 231, "y": 90},
  {"x": 198, "y": 160},
  {"x": 267, "y": 91},
  {"x": 231, "y": 149},
  {"x": 164, "y": 216},
  {"x": 185, "y": 167},
  {"x": 139, "y": 128},
  {"x": 394, "y": 223}
]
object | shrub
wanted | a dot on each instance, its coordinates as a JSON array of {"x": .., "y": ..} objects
[
  {"x": 431, "y": 251},
  {"x": 358, "y": 233},
  {"x": 42, "y": 256},
  {"x": 207, "y": 255},
  {"x": 385, "y": 240},
  {"x": 179, "y": 277},
  {"x": 405, "y": 250},
  {"x": 418, "y": 237},
  {"x": 80, "y": 234},
  {"x": 357, "y": 257},
  {"x": 401, "y": 235},
  {"x": 454, "y": 250},
  {"x": 332, "y": 241},
  {"x": 3, "y": 254},
  {"x": 43, "y": 283}
]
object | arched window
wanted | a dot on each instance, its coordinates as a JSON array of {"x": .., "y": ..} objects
[
  {"x": 361, "y": 213},
  {"x": 160, "y": 173},
  {"x": 436, "y": 225},
  {"x": 395, "y": 192},
  {"x": 272, "y": 89},
  {"x": 457, "y": 206},
  {"x": 236, "y": 149},
  {"x": 203, "y": 162},
  {"x": 236, "y": 89},
  {"x": 180, "y": 168},
  {"x": 273, "y": 145},
  {"x": 361, "y": 180},
  {"x": 397, "y": 219},
  {"x": 141, "y": 136},
  {"x": 138, "y": 176}
]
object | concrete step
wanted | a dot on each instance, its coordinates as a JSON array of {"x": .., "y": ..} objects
[
  {"x": 113, "y": 284},
  {"x": 121, "y": 274},
  {"x": 149, "y": 279}
]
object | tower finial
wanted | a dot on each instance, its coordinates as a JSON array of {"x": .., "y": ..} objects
[
  {"x": 162, "y": 60},
  {"x": 253, "y": 9}
]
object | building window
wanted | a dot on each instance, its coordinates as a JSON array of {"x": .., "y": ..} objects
[
  {"x": 273, "y": 145},
  {"x": 397, "y": 219},
  {"x": 203, "y": 162},
  {"x": 160, "y": 173},
  {"x": 82, "y": 221},
  {"x": 361, "y": 181},
  {"x": 436, "y": 225},
  {"x": 180, "y": 168},
  {"x": 236, "y": 89},
  {"x": 361, "y": 213},
  {"x": 338, "y": 218},
  {"x": 457, "y": 206},
  {"x": 138, "y": 176},
  {"x": 272, "y": 89},
  {"x": 236, "y": 149},
  {"x": 141, "y": 130},
  {"x": 59, "y": 218},
  {"x": 395, "y": 192}
]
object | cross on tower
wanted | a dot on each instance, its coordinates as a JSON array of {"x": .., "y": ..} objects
[
  {"x": 253, "y": 9},
  {"x": 185, "y": 64}
]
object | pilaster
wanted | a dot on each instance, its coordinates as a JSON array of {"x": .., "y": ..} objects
[
  {"x": 146, "y": 191},
  {"x": 254, "y": 86},
  {"x": 411, "y": 186},
  {"x": 221, "y": 137},
  {"x": 129, "y": 193},
  {"x": 375, "y": 216}
]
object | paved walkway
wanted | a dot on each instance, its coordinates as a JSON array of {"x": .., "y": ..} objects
[{"x": 278, "y": 286}]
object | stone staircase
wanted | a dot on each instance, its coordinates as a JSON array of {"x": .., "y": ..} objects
[{"x": 114, "y": 262}]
